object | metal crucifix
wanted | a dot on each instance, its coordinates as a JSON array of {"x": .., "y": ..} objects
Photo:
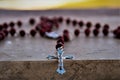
[{"x": 60, "y": 58}]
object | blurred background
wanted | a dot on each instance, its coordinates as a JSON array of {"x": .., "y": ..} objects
[{"x": 57, "y": 4}]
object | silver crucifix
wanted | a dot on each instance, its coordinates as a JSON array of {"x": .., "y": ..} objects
[{"x": 60, "y": 58}]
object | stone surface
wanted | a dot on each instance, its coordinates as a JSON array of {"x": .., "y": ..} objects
[{"x": 46, "y": 70}]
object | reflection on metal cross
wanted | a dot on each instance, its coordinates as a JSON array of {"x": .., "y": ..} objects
[{"x": 60, "y": 58}]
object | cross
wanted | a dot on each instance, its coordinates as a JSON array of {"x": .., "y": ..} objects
[{"x": 60, "y": 57}]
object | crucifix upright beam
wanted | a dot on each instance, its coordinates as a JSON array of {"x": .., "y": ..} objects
[{"x": 60, "y": 58}]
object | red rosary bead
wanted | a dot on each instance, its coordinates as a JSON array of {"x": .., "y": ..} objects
[
  {"x": 81, "y": 24},
  {"x": 117, "y": 32},
  {"x": 74, "y": 22},
  {"x": 22, "y": 33},
  {"x": 33, "y": 32},
  {"x": 59, "y": 45},
  {"x": 56, "y": 25},
  {"x": 42, "y": 32},
  {"x": 65, "y": 31},
  {"x": 60, "y": 19},
  {"x": 41, "y": 18},
  {"x": 6, "y": 32},
  {"x": 2, "y": 36},
  {"x": 114, "y": 32},
  {"x": 105, "y": 32},
  {"x": 60, "y": 40},
  {"x": 87, "y": 32},
  {"x": 5, "y": 25},
  {"x": 118, "y": 28},
  {"x": 49, "y": 27},
  {"x": 19, "y": 23},
  {"x": 66, "y": 36},
  {"x": 12, "y": 24},
  {"x": 76, "y": 32},
  {"x": 54, "y": 20},
  {"x": 12, "y": 31},
  {"x": 106, "y": 26},
  {"x": 95, "y": 32},
  {"x": 1, "y": 27},
  {"x": 32, "y": 21},
  {"x": 68, "y": 21},
  {"x": 97, "y": 25},
  {"x": 88, "y": 24},
  {"x": 37, "y": 27}
]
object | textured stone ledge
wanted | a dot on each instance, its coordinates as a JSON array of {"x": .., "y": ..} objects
[{"x": 46, "y": 70}]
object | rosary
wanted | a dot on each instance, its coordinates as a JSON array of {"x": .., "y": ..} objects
[{"x": 46, "y": 27}]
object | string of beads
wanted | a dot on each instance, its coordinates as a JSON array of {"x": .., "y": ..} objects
[{"x": 49, "y": 24}]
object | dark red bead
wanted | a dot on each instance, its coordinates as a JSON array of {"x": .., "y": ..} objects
[
  {"x": 60, "y": 40},
  {"x": 118, "y": 27},
  {"x": 105, "y": 32},
  {"x": 87, "y": 32},
  {"x": 68, "y": 21},
  {"x": 42, "y": 32},
  {"x": 106, "y": 26},
  {"x": 65, "y": 31},
  {"x": 74, "y": 22},
  {"x": 61, "y": 37},
  {"x": 60, "y": 19},
  {"x": 95, "y": 32},
  {"x": 37, "y": 27},
  {"x": 5, "y": 25},
  {"x": 66, "y": 37},
  {"x": 115, "y": 32},
  {"x": 88, "y": 24},
  {"x": 12, "y": 31},
  {"x": 33, "y": 32},
  {"x": 1, "y": 27},
  {"x": 32, "y": 21},
  {"x": 59, "y": 45},
  {"x": 12, "y": 24},
  {"x": 97, "y": 25},
  {"x": 2, "y": 36},
  {"x": 81, "y": 23},
  {"x": 118, "y": 34},
  {"x": 42, "y": 18},
  {"x": 48, "y": 28},
  {"x": 19, "y": 23},
  {"x": 53, "y": 20},
  {"x": 56, "y": 25},
  {"x": 77, "y": 32},
  {"x": 22, "y": 33},
  {"x": 6, "y": 32}
]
